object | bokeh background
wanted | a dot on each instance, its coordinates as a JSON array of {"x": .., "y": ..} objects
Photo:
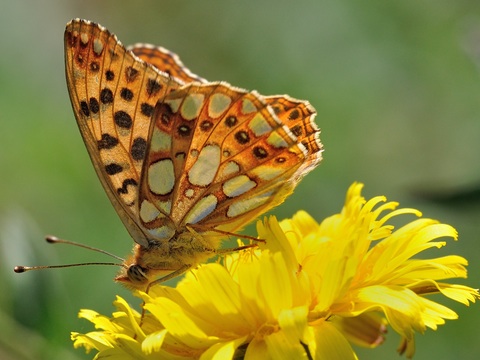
[{"x": 396, "y": 85}]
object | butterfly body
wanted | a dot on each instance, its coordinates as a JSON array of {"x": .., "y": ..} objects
[
  {"x": 184, "y": 161},
  {"x": 163, "y": 258}
]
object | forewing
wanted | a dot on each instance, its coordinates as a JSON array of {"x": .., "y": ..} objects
[{"x": 113, "y": 95}]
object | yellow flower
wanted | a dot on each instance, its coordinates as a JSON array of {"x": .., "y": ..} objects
[{"x": 309, "y": 292}]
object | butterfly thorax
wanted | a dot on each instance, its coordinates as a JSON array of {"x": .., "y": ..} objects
[{"x": 184, "y": 250}]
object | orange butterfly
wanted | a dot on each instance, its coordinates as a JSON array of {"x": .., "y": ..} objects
[{"x": 182, "y": 160}]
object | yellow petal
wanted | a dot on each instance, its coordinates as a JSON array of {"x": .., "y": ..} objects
[
  {"x": 275, "y": 284},
  {"x": 184, "y": 326},
  {"x": 133, "y": 317},
  {"x": 282, "y": 347},
  {"x": 293, "y": 322},
  {"x": 222, "y": 350},
  {"x": 257, "y": 350},
  {"x": 154, "y": 341},
  {"x": 90, "y": 341},
  {"x": 331, "y": 344}
]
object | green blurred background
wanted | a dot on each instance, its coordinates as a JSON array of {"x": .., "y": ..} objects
[{"x": 396, "y": 85}]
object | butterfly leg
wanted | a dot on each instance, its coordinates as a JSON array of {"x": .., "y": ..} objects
[
  {"x": 238, "y": 248},
  {"x": 196, "y": 228},
  {"x": 173, "y": 274}
]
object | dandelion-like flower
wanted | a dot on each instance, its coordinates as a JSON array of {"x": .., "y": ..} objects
[{"x": 310, "y": 291}]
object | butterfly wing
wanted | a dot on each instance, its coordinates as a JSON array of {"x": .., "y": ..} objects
[
  {"x": 165, "y": 60},
  {"x": 113, "y": 95},
  {"x": 219, "y": 156},
  {"x": 297, "y": 115}
]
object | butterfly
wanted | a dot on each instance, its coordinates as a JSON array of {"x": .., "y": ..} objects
[{"x": 184, "y": 161}]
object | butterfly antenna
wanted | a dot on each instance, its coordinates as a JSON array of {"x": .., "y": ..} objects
[
  {"x": 20, "y": 269},
  {"x": 54, "y": 240}
]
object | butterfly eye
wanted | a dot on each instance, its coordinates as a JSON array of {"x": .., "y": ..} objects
[{"x": 136, "y": 274}]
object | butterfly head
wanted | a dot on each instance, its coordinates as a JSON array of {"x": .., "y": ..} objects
[
  {"x": 149, "y": 266},
  {"x": 133, "y": 277}
]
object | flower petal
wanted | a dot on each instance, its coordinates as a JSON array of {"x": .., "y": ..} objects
[{"x": 331, "y": 344}]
